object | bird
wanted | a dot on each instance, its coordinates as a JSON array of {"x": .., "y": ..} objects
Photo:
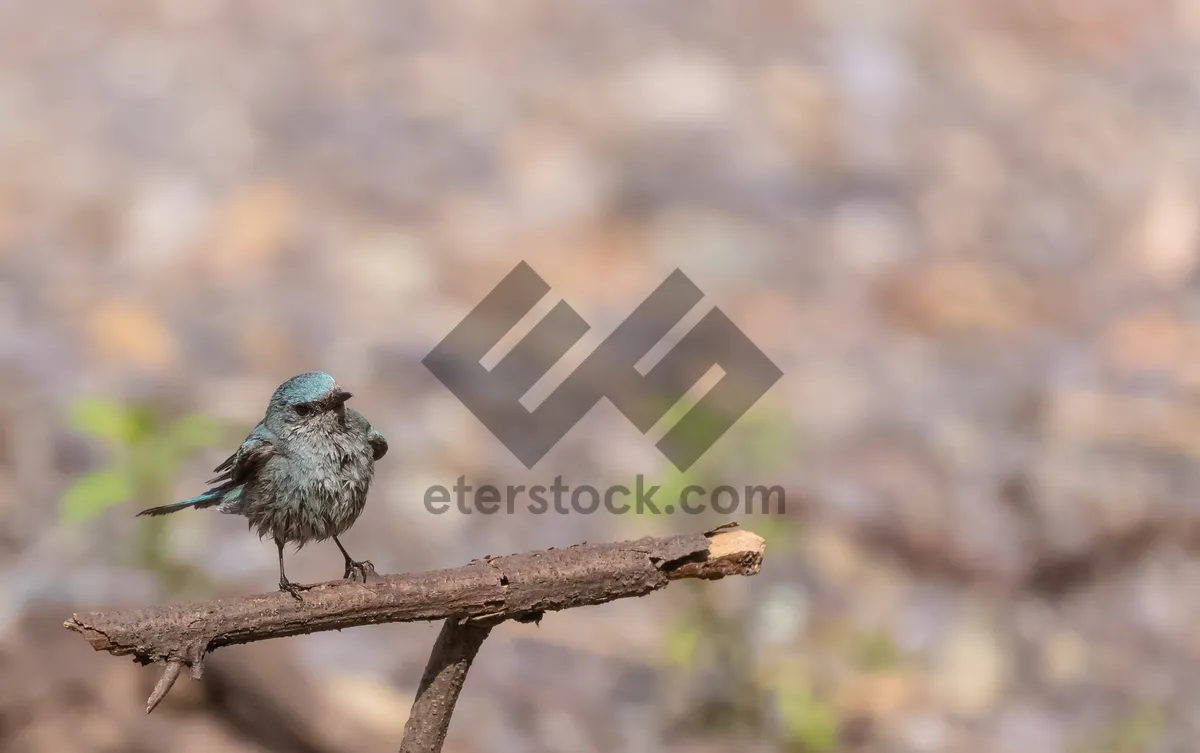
[{"x": 302, "y": 474}]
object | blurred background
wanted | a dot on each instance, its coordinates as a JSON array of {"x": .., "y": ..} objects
[{"x": 966, "y": 231}]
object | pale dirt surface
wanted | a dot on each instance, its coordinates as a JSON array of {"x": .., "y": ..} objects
[{"x": 965, "y": 230}]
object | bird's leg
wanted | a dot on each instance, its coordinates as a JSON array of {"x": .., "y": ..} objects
[
  {"x": 352, "y": 567},
  {"x": 286, "y": 585}
]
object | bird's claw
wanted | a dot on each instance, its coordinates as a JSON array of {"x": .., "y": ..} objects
[
  {"x": 359, "y": 569},
  {"x": 294, "y": 589}
]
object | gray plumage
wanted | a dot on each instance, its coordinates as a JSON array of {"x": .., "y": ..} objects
[{"x": 302, "y": 474}]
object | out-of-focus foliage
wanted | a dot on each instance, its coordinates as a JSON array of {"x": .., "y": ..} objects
[
  {"x": 679, "y": 643},
  {"x": 145, "y": 450},
  {"x": 810, "y": 721},
  {"x": 875, "y": 650},
  {"x": 95, "y": 492},
  {"x": 1137, "y": 731}
]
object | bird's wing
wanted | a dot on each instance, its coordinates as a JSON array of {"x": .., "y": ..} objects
[
  {"x": 241, "y": 465},
  {"x": 378, "y": 444}
]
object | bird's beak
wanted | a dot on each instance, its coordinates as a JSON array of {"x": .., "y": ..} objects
[{"x": 340, "y": 397}]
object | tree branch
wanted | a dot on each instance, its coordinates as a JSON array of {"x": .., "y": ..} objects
[
  {"x": 476, "y": 596},
  {"x": 444, "y": 676}
]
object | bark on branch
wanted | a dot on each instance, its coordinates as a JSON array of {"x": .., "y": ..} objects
[
  {"x": 429, "y": 720},
  {"x": 478, "y": 595}
]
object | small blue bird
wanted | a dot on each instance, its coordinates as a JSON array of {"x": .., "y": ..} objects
[{"x": 302, "y": 474}]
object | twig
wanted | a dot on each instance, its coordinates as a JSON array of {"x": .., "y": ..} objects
[
  {"x": 472, "y": 599},
  {"x": 164, "y": 684}
]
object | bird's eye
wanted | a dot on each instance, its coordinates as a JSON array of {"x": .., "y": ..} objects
[{"x": 303, "y": 409}]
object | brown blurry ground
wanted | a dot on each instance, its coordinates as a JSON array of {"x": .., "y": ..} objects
[{"x": 966, "y": 230}]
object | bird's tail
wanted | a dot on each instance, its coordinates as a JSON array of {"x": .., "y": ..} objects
[{"x": 207, "y": 499}]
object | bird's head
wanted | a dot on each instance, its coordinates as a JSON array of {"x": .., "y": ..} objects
[{"x": 308, "y": 398}]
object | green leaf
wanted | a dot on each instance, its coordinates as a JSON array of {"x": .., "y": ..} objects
[
  {"x": 196, "y": 432},
  {"x": 94, "y": 493},
  {"x": 103, "y": 419}
]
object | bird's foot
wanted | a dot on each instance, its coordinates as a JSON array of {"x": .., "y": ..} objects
[
  {"x": 295, "y": 589},
  {"x": 358, "y": 570}
]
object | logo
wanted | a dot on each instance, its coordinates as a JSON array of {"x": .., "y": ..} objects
[{"x": 494, "y": 396}]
